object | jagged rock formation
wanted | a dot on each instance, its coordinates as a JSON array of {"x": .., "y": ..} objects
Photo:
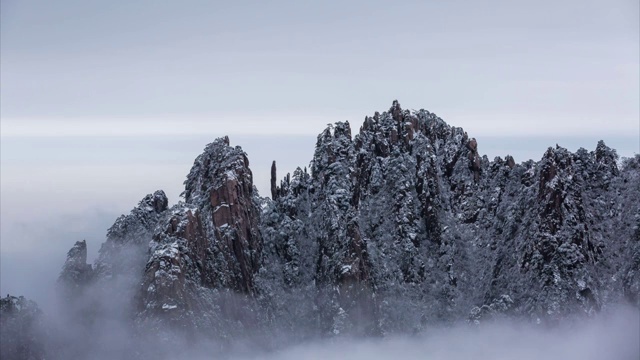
[
  {"x": 122, "y": 256},
  {"x": 206, "y": 247},
  {"x": 128, "y": 238},
  {"x": 400, "y": 226},
  {"x": 99, "y": 302},
  {"x": 76, "y": 273},
  {"x": 430, "y": 231}
]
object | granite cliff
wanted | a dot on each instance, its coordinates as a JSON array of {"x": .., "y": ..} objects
[{"x": 398, "y": 227}]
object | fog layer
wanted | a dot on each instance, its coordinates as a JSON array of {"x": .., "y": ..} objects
[{"x": 610, "y": 336}]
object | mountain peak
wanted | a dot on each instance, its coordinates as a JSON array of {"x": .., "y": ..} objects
[
  {"x": 399, "y": 227},
  {"x": 76, "y": 272},
  {"x": 218, "y": 164}
]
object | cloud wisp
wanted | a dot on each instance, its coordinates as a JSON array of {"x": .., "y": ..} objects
[{"x": 611, "y": 336}]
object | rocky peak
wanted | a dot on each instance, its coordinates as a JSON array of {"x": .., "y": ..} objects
[
  {"x": 396, "y": 111},
  {"x": 333, "y": 142},
  {"x": 125, "y": 248},
  {"x": 210, "y": 242},
  {"x": 157, "y": 201},
  {"x": 77, "y": 256},
  {"x": 342, "y": 129},
  {"x": 220, "y": 184},
  {"x": 607, "y": 160},
  {"x": 207, "y": 246},
  {"x": 274, "y": 189},
  {"x": 140, "y": 221},
  {"x": 76, "y": 272},
  {"x": 402, "y": 225},
  {"x": 387, "y": 131},
  {"x": 555, "y": 175},
  {"x": 219, "y": 165}
]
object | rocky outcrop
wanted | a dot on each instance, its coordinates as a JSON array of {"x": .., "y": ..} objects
[
  {"x": 205, "y": 246},
  {"x": 274, "y": 189},
  {"x": 125, "y": 250},
  {"x": 397, "y": 227},
  {"x": 220, "y": 184},
  {"x": 76, "y": 273},
  {"x": 96, "y": 298},
  {"x": 433, "y": 228}
]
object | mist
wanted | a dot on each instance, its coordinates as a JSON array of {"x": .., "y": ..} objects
[
  {"x": 611, "y": 336},
  {"x": 96, "y": 322},
  {"x": 34, "y": 249}
]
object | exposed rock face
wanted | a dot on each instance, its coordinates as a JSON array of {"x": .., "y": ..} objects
[
  {"x": 274, "y": 189},
  {"x": 343, "y": 269},
  {"x": 403, "y": 225},
  {"x": 97, "y": 298},
  {"x": 210, "y": 243},
  {"x": 125, "y": 249},
  {"x": 409, "y": 211},
  {"x": 220, "y": 184},
  {"x": 76, "y": 273}
]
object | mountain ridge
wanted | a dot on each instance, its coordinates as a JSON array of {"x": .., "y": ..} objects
[{"x": 397, "y": 228}]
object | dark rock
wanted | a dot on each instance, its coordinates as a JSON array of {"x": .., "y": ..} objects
[
  {"x": 274, "y": 189},
  {"x": 401, "y": 226},
  {"x": 76, "y": 273}
]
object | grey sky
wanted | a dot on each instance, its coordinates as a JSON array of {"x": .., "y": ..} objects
[
  {"x": 493, "y": 66},
  {"x": 104, "y": 102}
]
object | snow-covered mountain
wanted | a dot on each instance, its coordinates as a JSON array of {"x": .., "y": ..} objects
[{"x": 399, "y": 227}]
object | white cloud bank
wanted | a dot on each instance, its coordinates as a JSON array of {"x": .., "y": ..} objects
[{"x": 615, "y": 336}]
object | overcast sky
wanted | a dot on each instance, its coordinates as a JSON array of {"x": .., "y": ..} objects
[
  {"x": 104, "y": 102},
  {"x": 508, "y": 67}
]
